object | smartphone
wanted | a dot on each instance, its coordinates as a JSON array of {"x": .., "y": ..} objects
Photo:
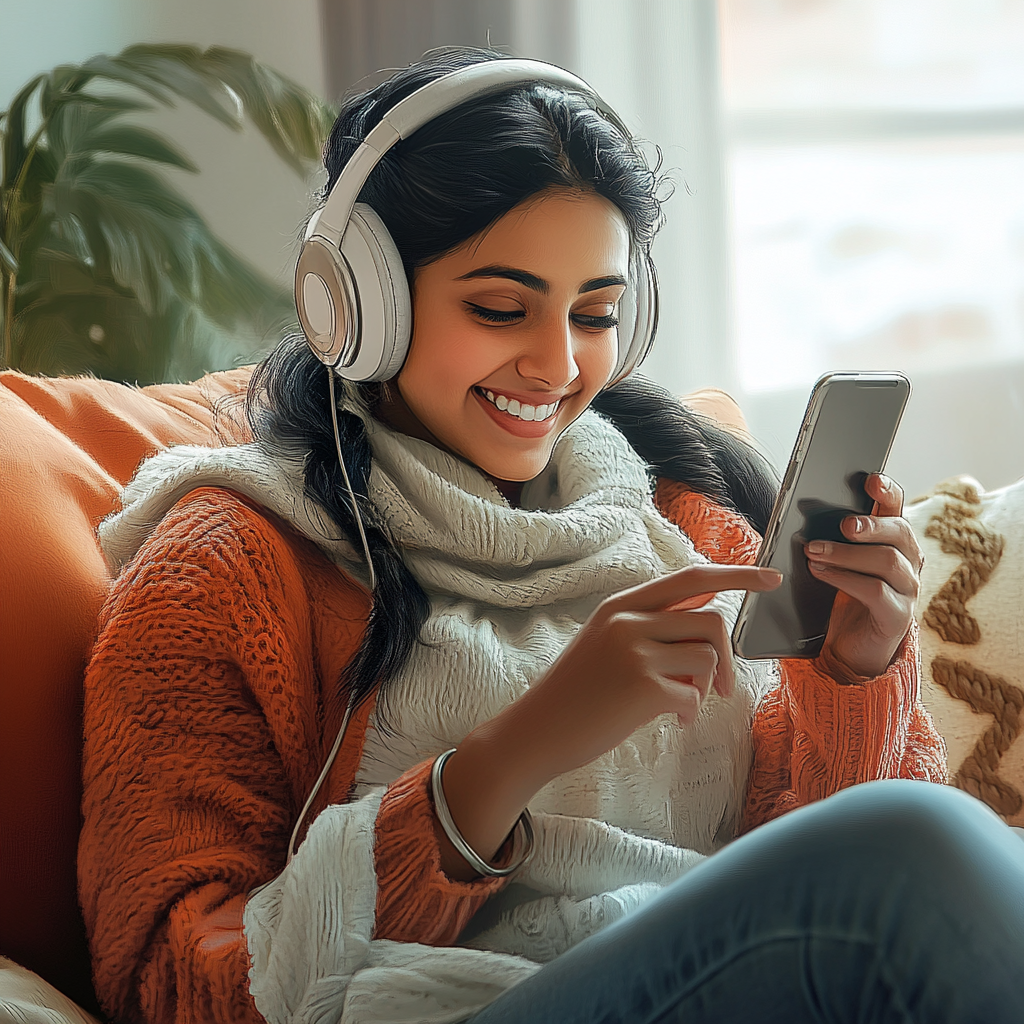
[{"x": 846, "y": 434}]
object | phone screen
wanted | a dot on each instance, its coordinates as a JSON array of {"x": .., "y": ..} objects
[{"x": 846, "y": 435}]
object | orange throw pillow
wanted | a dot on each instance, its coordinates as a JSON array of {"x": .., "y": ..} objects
[{"x": 67, "y": 447}]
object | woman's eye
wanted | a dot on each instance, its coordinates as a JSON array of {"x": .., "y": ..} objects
[
  {"x": 596, "y": 323},
  {"x": 496, "y": 316}
]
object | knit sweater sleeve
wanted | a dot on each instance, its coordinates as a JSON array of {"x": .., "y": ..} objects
[
  {"x": 416, "y": 900},
  {"x": 812, "y": 735},
  {"x": 210, "y": 703}
]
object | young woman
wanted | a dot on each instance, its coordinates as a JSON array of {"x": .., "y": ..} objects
[{"x": 556, "y": 565}]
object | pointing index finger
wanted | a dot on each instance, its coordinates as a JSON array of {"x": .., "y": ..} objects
[{"x": 695, "y": 585}]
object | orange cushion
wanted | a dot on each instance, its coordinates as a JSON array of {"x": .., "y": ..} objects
[{"x": 67, "y": 446}]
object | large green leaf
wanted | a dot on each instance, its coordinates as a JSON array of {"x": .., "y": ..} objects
[
  {"x": 129, "y": 140},
  {"x": 15, "y": 147},
  {"x": 63, "y": 82},
  {"x": 117, "y": 273},
  {"x": 82, "y": 124},
  {"x": 152, "y": 241},
  {"x": 283, "y": 112},
  {"x": 168, "y": 71}
]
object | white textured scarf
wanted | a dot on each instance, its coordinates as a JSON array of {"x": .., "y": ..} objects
[{"x": 508, "y": 589}]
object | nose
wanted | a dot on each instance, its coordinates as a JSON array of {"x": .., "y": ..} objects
[{"x": 549, "y": 356}]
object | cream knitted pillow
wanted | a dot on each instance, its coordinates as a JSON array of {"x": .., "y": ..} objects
[{"x": 971, "y": 618}]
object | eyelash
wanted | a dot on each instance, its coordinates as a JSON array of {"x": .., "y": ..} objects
[
  {"x": 500, "y": 316},
  {"x": 496, "y": 316}
]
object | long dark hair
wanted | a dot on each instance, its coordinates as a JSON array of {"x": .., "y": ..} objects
[{"x": 447, "y": 182}]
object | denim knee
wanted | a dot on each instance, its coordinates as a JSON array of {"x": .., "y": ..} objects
[{"x": 935, "y": 832}]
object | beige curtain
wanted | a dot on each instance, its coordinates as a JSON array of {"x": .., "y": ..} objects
[{"x": 362, "y": 37}]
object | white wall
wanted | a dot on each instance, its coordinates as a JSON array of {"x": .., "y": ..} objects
[{"x": 37, "y": 34}]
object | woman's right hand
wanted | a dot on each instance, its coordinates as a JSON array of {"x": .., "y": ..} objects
[{"x": 645, "y": 651}]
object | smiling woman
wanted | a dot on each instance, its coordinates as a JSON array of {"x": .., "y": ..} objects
[
  {"x": 538, "y": 681},
  {"x": 514, "y": 335}
]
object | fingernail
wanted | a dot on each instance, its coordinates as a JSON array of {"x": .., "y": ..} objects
[
  {"x": 885, "y": 482},
  {"x": 816, "y": 547},
  {"x": 772, "y": 574},
  {"x": 856, "y": 524}
]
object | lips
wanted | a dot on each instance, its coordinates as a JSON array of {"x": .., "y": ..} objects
[
  {"x": 516, "y": 424},
  {"x": 521, "y": 410}
]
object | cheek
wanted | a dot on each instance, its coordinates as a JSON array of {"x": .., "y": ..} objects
[
  {"x": 438, "y": 372},
  {"x": 597, "y": 361}
]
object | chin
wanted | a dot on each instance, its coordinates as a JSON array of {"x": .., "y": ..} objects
[{"x": 514, "y": 470}]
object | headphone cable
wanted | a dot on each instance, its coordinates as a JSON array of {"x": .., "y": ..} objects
[
  {"x": 373, "y": 586},
  {"x": 344, "y": 473}
]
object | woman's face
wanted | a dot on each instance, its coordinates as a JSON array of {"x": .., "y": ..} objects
[{"x": 515, "y": 332}]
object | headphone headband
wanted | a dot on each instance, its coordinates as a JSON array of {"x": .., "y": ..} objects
[
  {"x": 426, "y": 103},
  {"x": 351, "y": 292}
]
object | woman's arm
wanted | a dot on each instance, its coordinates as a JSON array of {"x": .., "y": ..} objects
[
  {"x": 815, "y": 735},
  {"x": 187, "y": 800},
  {"x": 210, "y": 705}
]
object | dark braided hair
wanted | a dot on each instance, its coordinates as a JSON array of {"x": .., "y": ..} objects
[{"x": 448, "y": 181}]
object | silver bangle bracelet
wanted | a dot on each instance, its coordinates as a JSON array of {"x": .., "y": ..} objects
[{"x": 475, "y": 861}]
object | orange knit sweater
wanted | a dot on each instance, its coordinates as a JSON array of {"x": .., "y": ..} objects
[{"x": 212, "y": 701}]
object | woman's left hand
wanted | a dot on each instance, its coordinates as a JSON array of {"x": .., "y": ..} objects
[{"x": 877, "y": 575}]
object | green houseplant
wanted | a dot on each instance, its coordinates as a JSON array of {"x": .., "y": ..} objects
[{"x": 105, "y": 267}]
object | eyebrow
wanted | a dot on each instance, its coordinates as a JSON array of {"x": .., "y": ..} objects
[
  {"x": 601, "y": 282},
  {"x": 535, "y": 283}
]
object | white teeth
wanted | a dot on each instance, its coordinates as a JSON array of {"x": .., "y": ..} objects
[{"x": 516, "y": 408}]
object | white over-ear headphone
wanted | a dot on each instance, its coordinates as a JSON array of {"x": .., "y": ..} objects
[{"x": 351, "y": 291}]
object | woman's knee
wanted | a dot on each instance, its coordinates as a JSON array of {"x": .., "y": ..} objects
[{"x": 932, "y": 827}]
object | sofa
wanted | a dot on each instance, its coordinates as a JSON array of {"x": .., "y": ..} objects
[{"x": 67, "y": 447}]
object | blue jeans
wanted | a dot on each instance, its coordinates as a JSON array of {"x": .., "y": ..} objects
[{"x": 890, "y": 901}]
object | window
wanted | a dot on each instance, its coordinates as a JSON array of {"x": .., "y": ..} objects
[{"x": 875, "y": 158}]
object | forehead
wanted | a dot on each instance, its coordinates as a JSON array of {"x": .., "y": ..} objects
[{"x": 558, "y": 235}]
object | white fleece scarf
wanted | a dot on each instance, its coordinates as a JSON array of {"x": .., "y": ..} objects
[{"x": 508, "y": 589}]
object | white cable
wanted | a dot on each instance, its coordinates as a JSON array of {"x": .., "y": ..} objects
[
  {"x": 373, "y": 586},
  {"x": 344, "y": 473},
  {"x": 320, "y": 781}
]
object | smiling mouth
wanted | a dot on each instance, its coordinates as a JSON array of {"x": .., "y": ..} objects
[{"x": 517, "y": 409}]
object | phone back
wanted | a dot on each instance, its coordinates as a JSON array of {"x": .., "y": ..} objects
[{"x": 847, "y": 432}]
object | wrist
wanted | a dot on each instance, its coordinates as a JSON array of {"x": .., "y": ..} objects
[
  {"x": 847, "y": 674},
  {"x": 505, "y": 758},
  {"x": 488, "y": 781}
]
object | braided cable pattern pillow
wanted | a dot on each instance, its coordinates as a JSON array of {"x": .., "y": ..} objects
[{"x": 971, "y": 614}]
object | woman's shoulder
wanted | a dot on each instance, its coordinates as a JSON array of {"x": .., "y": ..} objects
[
  {"x": 220, "y": 543},
  {"x": 220, "y": 523},
  {"x": 720, "y": 534}
]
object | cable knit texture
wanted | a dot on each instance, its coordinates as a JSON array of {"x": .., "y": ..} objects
[
  {"x": 212, "y": 700},
  {"x": 510, "y": 587}
]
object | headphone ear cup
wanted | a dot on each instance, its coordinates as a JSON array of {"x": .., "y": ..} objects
[
  {"x": 638, "y": 317},
  {"x": 381, "y": 292}
]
